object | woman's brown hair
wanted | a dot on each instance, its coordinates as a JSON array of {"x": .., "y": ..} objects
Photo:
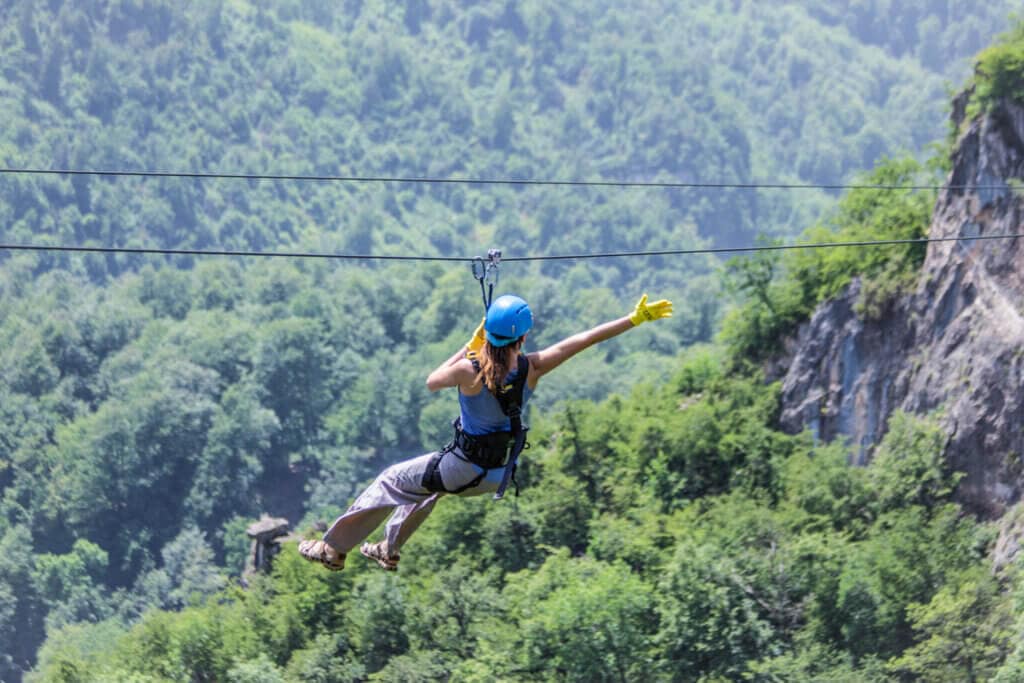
[{"x": 496, "y": 362}]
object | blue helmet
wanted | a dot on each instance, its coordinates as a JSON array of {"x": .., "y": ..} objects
[{"x": 508, "y": 319}]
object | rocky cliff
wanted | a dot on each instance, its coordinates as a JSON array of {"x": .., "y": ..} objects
[{"x": 955, "y": 345}]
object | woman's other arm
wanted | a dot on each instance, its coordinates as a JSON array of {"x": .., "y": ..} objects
[
  {"x": 453, "y": 373},
  {"x": 543, "y": 362},
  {"x": 456, "y": 372}
]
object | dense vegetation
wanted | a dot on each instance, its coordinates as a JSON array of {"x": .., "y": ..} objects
[
  {"x": 723, "y": 92},
  {"x": 651, "y": 542},
  {"x": 999, "y": 72},
  {"x": 782, "y": 292},
  {"x": 152, "y": 408}
]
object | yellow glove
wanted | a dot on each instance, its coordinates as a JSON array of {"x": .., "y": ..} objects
[
  {"x": 476, "y": 342},
  {"x": 645, "y": 311}
]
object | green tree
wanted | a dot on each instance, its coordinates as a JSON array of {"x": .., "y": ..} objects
[
  {"x": 238, "y": 443},
  {"x": 378, "y": 621},
  {"x": 577, "y": 619},
  {"x": 120, "y": 467},
  {"x": 709, "y": 624},
  {"x": 71, "y": 585},
  {"x": 909, "y": 467},
  {"x": 188, "y": 563},
  {"x": 258, "y": 670},
  {"x": 21, "y": 607},
  {"x": 324, "y": 661},
  {"x": 963, "y": 632},
  {"x": 289, "y": 360},
  {"x": 80, "y": 652},
  {"x": 999, "y": 71},
  {"x": 908, "y": 555}
]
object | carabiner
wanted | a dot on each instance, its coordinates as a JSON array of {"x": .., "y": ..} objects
[
  {"x": 479, "y": 268},
  {"x": 486, "y": 273}
]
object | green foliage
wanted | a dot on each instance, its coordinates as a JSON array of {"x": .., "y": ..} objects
[
  {"x": 909, "y": 468},
  {"x": 708, "y": 621},
  {"x": 188, "y": 564},
  {"x": 1012, "y": 668},
  {"x": 259, "y": 670},
  {"x": 21, "y": 607},
  {"x": 827, "y": 492},
  {"x": 323, "y": 661},
  {"x": 238, "y": 444},
  {"x": 817, "y": 662},
  {"x": 68, "y": 584},
  {"x": 151, "y": 408},
  {"x": 865, "y": 215},
  {"x": 781, "y": 292},
  {"x": 877, "y": 582},
  {"x": 236, "y": 544},
  {"x": 999, "y": 71},
  {"x": 816, "y": 570},
  {"x": 78, "y": 652},
  {"x": 963, "y": 632},
  {"x": 378, "y": 620},
  {"x": 579, "y": 619}
]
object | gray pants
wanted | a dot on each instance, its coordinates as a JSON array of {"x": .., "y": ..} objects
[{"x": 398, "y": 491}]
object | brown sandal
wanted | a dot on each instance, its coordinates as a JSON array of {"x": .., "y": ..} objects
[
  {"x": 379, "y": 554},
  {"x": 319, "y": 551}
]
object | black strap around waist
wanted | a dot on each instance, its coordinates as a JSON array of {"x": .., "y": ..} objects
[
  {"x": 485, "y": 450},
  {"x": 432, "y": 476}
]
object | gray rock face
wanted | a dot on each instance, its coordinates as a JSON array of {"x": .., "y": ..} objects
[
  {"x": 955, "y": 345},
  {"x": 267, "y": 535}
]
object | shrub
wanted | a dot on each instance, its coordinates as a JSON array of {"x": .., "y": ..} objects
[{"x": 999, "y": 72}]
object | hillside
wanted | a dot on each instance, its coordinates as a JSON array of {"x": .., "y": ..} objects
[
  {"x": 678, "y": 533},
  {"x": 954, "y": 344},
  {"x": 154, "y": 407},
  {"x": 936, "y": 330},
  {"x": 728, "y": 92}
]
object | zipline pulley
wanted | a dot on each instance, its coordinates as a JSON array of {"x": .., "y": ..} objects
[{"x": 486, "y": 273}]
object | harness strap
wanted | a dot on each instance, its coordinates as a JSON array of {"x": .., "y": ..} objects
[
  {"x": 484, "y": 450},
  {"x": 513, "y": 460},
  {"x": 432, "y": 476},
  {"x": 510, "y": 399},
  {"x": 511, "y": 402}
]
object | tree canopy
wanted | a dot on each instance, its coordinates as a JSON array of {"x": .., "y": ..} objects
[{"x": 668, "y": 529}]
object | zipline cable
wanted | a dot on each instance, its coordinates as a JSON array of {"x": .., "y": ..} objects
[
  {"x": 463, "y": 259},
  {"x": 498, "y": 181},
  {"x": 763, "y": 247},
  {"x": 227, "y": 252}
]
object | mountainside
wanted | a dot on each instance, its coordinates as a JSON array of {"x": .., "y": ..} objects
[
  {"x": 153, "y": 407},
  {"x": 733, "y": 92},
  {"x": 955, "y": 344}
]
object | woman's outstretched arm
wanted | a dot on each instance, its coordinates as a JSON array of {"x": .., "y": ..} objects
[{"x": 543, "y": 362}]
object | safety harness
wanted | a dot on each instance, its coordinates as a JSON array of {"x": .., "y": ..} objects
[{"x": 488, "y": 451}]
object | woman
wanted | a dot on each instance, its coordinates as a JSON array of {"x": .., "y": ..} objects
[{"x": 474, "y": 463}]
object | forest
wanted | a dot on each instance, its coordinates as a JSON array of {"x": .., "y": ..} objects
[{"x": 667, "y": 528}]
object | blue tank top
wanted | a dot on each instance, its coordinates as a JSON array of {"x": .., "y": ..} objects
[{"x": 481, "y": 414}]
